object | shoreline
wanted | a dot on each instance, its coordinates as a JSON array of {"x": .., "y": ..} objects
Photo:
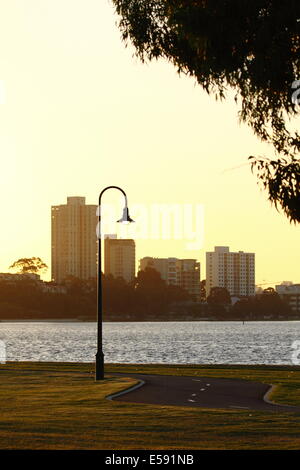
[{"x": 74, "y": 320}]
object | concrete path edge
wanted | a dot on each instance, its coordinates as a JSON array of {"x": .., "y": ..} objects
[
  {"x": 127, "y": 390},
  {"x": 270, "y": 402},
  {"x": 268, "y": 394}
]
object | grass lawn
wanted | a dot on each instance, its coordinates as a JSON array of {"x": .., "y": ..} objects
[{"x": 60, "y": 406}]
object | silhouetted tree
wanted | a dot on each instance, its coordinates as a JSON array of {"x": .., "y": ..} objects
[
  {"x": 219, "y": 295},
  {"x": 244, "y": 308},
  {"x": 118, "y": 295},
  {"x": 74, "y": 285},
  {"x": 251, "y": 47},
  {"x": 270, "y": 303},
  {"x": 151, "y": 291},
  {"x": 281, "y": 178},
  {"x": 177, "y": 294},
  {"x": 29, "y": 265}
]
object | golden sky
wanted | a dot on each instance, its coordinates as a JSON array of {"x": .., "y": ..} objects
[{"x": 81, "y": 113}]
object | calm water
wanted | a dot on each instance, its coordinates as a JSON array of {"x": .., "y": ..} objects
[{"x": 172, "y": 342}]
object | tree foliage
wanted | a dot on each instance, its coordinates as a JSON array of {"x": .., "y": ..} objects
[
  {"x": 29, "y": 265},
  {"x": 153, "y": 294},
  {"x": 219, "y": 295},
  {"x": 251, "y": 47},
  {"x": 281, "y": 178}
]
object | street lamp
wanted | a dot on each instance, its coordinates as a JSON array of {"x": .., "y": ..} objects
[{"x": 124, "y": 219}]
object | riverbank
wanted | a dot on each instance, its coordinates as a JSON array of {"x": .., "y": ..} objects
[
  {"x": 158, "y": 320},
  {"x": 60, "y": 406}
]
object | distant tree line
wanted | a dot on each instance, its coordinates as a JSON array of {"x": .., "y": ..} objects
[
  {"x": 267, "y": 305},
  {"x": 148, "y": 297}
]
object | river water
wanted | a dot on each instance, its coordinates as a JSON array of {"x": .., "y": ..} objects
[{"x": 154, "y": 342}]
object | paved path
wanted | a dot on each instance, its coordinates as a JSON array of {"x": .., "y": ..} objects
[{"x": 201, "y": 392}]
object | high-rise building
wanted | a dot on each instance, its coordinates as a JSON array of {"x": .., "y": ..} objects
[
  {"x": 73, "y": 240},
  {"x": 119, "y": 257},
  {"x": 188, "y": 275},
  {"x": 184, "y": 273},
  {"x": 234, "y": 271}
]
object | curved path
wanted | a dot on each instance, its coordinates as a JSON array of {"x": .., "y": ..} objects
[{"x": 200, "y": 392}]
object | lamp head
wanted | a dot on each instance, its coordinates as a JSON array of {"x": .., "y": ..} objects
[{"x": 125, "y": 219}]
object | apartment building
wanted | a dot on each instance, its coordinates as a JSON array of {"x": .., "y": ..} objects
[
  {"x": 119, "y": 257},
  {"x": 188, "y": 275},
  {"x": 73, "y": 240},
  {"x": 233, "y": 270},
  {"x": 165, "y": 266}
]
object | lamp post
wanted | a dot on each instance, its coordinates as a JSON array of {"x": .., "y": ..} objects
[{"x": 99, "y": 375}]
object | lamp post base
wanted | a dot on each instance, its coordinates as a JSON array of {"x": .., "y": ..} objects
[{"x": 99, "y": 366}]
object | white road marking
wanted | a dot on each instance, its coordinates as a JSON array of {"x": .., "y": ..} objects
[{"x": 242, "y": 407}]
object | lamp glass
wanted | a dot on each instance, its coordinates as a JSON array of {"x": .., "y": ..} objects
[{"x": 125, "y": 219}]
